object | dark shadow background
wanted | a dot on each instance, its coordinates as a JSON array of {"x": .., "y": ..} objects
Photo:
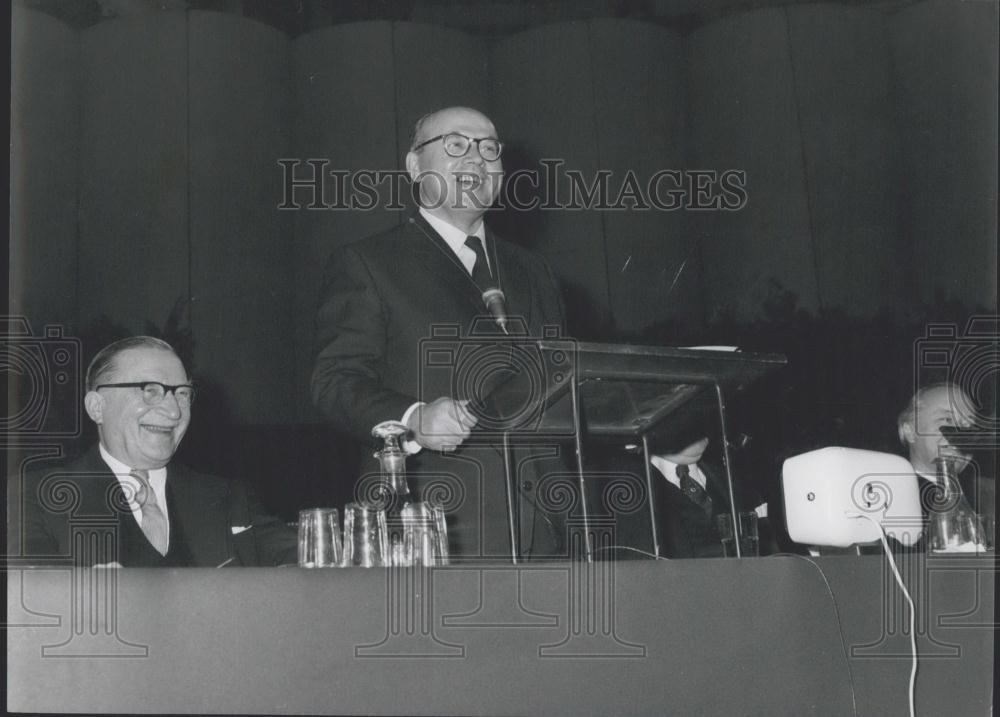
[{"x": 145, "y": 176}]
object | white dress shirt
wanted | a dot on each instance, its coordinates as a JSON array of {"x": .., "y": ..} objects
[
  {"x": 669, "y": 471},
  {"x": 157, "y": 481},
  {"x": 455, "y": 239}
]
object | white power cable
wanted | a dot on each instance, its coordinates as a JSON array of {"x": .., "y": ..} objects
[{"x": 906, "y": 594}]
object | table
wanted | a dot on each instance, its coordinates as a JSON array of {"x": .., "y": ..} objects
[{"x": 769, "y": 636}]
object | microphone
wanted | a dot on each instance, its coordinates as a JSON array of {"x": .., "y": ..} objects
[{"x": 496, "y": 303}]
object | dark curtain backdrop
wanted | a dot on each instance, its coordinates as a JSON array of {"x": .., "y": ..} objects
[
  {"x": 146, "y": 180},
  {"x": 145, "y": 186}
]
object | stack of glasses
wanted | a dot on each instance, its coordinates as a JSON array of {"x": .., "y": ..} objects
[{"x": 418, "y": 536}]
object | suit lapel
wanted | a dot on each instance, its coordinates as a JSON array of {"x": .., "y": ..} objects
[
  {"x": 428, "y": 248},
  {"x": 715, "y": 478},
  {"x": 433, "y": 252},
  {"x": 101, "y": 492},
  {"x": 513, "y": 281},
  {"x": 198, "y": 520},
  {"x": 104, "y": 496},
  {"x": 715, "y": 486},
  {"x": 670, "y": 505}
]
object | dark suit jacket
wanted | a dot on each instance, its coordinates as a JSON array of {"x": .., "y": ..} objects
[
  {"x": 687, "y": 531},
  {"x": 684, "y": 529},
  {"x": 400, "y": 321},
  {"x": 980, "y": 492},
  {"x": 76, "y": 514}
]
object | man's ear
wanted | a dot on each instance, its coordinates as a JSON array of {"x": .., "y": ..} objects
[
  {"x": 412, "y": 166},
  {"x": 94, "y": 403},
  {"x": 907, "y": 434}
]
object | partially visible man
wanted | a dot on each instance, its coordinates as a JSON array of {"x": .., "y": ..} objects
[
  {"x": 690, "y": 497},
  {"x": 402, "y": 311},
  {"x": 919, "y": 425},
  {"x": 125, "y": 502}
]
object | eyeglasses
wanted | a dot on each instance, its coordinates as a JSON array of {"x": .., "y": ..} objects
[
  {"x": 457, "y": 145},
  {"x": 153, "y": 392}
]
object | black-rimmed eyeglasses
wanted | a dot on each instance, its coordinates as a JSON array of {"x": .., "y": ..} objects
[
  {"x": 153, "y": 392},
  {"x": 457, "y": 145}
]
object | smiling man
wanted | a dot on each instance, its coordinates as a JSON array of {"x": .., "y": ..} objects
[
  {"x": 455, "y": 159},
  {"x": 125, "y": 502},
  {"x": 920, "y": 422},
  {"x": 919, "y": 425},
  {"x": 402, "y": 310}
]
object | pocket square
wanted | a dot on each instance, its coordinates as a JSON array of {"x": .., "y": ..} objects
[{"x": 237, "y": 529}]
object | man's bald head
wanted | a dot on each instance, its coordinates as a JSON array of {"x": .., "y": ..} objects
[
  {"x": 427, "y": 126},
  {"x": 457, "y": 189}
]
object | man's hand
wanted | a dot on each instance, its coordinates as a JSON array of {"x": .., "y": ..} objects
[{"x": 441, "y": 425}]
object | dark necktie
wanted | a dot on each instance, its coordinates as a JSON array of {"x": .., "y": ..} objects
[
  {"x": 693, "y": 490},
  {"x": 154, "y": 522},
  {"x": 481, "y": 275}
]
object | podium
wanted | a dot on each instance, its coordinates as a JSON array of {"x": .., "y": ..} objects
[{"x": 622, "y": 391}]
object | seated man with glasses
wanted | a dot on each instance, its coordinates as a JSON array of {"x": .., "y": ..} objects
[
  {"x": 919, "y": 427},
  {"x": 125, "y": 502},
  {"x": 387, "y": 302}
]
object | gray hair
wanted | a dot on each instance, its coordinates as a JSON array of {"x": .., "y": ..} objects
[
  {"x": 908, "y": 415},
  {"x": 106, "y": 359}
]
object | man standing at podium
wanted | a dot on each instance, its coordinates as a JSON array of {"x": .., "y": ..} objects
[{"x": 401, "y": 314}]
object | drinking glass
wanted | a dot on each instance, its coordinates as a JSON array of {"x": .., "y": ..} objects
[
  {"x": 749, "y": 539},
  {"x": 419, "y": 542},
  {"x": 319, "y": 538},
  {"x": 987, "y": 533},
  {"x": 953, "y": 531},
  {"x": 365, "y": 537},
  {"x": 441, "y": 534}
]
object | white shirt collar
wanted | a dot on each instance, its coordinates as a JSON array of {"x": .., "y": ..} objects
[
  {"x": 669, "y": 471},
  {"x": 119, "y": 468},
  {"x": 455, "y": 237}
]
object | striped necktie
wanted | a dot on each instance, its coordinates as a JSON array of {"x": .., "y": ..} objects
[{"x": 154, "y": 522}]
